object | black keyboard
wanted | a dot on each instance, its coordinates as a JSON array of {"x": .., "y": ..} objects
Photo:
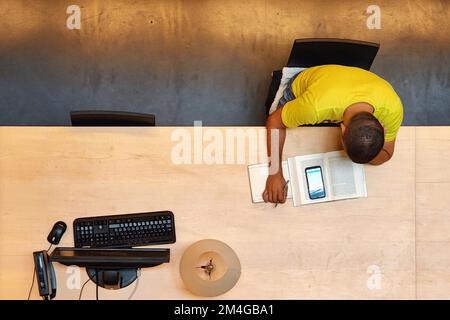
[{"x": 124, "y": 231}]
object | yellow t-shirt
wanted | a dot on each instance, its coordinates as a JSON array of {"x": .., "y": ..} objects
[{"x": 324, "y": 92}]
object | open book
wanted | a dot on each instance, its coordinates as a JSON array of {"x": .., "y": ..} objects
[{"x": 342, "y": 178}]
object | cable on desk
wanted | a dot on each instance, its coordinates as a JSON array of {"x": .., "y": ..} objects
[
  {"x": 82, "y": 288},
  {"x": 96, "y": 284},
  {"x": 32, "y": 285},
  {"x": 34, "y": 277},
  {"x": 137, "y": 283}
]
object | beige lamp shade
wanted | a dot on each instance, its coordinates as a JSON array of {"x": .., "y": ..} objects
[{"x": 209, "y": 268}]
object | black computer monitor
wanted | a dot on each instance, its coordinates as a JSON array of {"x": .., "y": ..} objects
[
  {"x": 111, "y": 268},
  {"x": 111, "y": 258}
]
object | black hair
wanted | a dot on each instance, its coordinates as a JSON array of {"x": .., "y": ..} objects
[{"x": 363, "y": 137}]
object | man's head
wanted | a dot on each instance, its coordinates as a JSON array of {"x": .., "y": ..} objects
[{"x": 363, "y": 137}]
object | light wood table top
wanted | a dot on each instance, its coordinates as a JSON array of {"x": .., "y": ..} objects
[{"x": 327, "y": 250}]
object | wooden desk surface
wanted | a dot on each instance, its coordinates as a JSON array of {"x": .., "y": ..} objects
[{"x": 319, "y": 251}]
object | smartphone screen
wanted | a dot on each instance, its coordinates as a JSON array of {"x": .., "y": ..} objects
[{"x": 314, "y": 178}]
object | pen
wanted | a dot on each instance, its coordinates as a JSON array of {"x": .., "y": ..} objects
[{"x": 284, "y": 189}]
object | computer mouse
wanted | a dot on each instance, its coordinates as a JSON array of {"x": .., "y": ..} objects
[{"x": 57, "y": 232}]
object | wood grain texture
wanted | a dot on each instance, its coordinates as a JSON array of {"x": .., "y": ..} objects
[
  {"x": 317, "y": 251},
  {"x": 433, "y": 212}
]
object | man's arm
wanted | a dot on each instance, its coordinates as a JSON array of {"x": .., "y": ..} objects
[
  {"x": 275, "y": 186},
  {"x": 385, "y": 153}
]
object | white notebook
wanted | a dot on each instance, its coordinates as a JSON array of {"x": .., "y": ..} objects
[
  {"x": 258, "y": 174},
  {"x": 342, "y": 178}
]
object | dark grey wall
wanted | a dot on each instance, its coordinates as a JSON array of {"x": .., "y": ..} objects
[{"x": 203, "y": 60}]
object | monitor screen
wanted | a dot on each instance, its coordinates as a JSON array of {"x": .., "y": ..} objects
[{"x": 111, "y": 258}]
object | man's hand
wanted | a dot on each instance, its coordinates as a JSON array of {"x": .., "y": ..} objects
[{"x": 275, "y": 188}]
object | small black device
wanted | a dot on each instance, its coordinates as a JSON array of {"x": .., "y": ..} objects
[
  {"x": 125, "y": 231},
  {"x": 43, "y": 268},
  {"x": 111, "y": 268},
  {"x": 314, "y": 179},
  {"x": 45, "y": 275},
  {"x": 55, "y": 235}
]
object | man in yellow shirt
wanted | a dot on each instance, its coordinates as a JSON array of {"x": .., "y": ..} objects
[{"x": 367, "y": 107}]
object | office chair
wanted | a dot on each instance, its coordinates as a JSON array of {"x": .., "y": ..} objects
[
  {"x": 308, "y": 53},
  {"x": 94, "y": 118}
]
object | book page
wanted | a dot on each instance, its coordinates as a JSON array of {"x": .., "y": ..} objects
[{"x": 344, "y": 182}]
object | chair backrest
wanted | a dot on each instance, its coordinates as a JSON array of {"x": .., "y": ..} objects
[
  {"x": 274, "y": 85},
  {"x": 314, "y": 52},
  {"x": 95, "y": 118}
]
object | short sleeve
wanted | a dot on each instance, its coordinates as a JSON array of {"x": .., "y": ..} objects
[
  {"x": 394, "y": 121},
  {"x": 299, "y": 111}
]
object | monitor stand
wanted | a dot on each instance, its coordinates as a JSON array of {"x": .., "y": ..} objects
[{"x": 112, "y": 278}]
